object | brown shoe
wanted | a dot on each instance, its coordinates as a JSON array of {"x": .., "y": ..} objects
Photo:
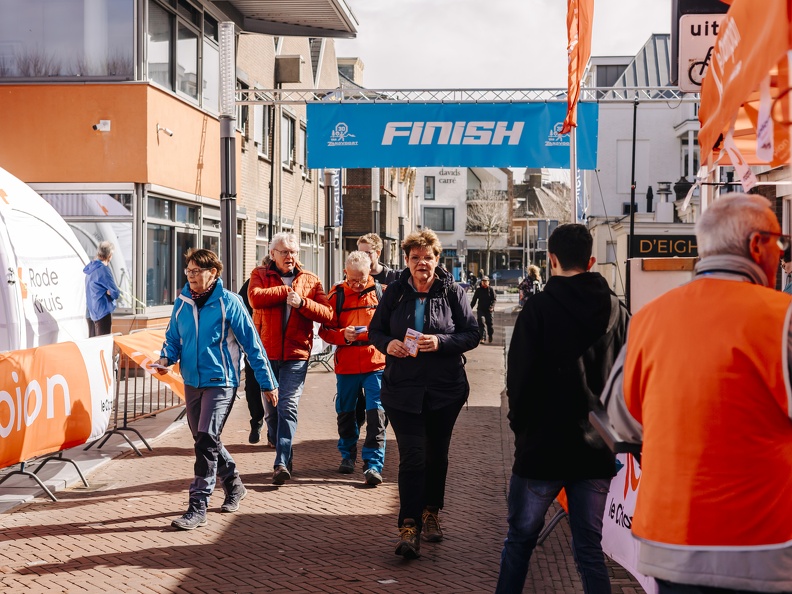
[
  {"x": 409, "y": 545},
  {"x": 281, "y": 475},
  {"x": 431, "y": 525}
]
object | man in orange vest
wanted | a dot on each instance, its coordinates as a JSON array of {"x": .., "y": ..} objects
[
  {"x": 358, "y": 365},
  {"x": 704, "y": 383}
]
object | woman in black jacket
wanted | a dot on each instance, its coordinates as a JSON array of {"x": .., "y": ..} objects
[{"x": 423, "y": 324}]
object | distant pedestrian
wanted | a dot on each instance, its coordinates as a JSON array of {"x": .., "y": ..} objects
[
  {"x": 208, "y": 330},
  {"x": 530, "y": 285},
  {"x": 358, "y": 366},
  {"x": 484, "y": 301},
  {"x": 101, "y": 291},
  {"x": 786, "y": 267},
  {"x": 423, "y": 324},
  {"x": 563, "y": 347},
  {"x": 286, "y": 300}
]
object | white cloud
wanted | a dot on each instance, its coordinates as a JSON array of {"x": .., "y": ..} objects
[{"x": 416, "y": 44}]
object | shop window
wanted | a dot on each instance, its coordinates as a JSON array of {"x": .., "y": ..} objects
[{"x": 97, "y": 217}]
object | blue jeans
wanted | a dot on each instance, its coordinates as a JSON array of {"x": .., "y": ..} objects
[
  {"x": 207, "y": 411},
  {"x": 349, "y": 386},
  {"x": 529, "y": 501},
  {"x": 282, "y": 421}
]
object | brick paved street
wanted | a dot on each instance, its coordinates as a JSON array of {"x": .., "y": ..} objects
[{"x": 321, "y": 532}]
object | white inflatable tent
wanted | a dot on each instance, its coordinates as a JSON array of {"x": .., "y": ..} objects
[{"x": 43, "y": 299}]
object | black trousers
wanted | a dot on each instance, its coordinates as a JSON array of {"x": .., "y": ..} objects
[
  {"x": 100, "y": 327},
  {"x": 485, "y": 318},
  {"x": 253, "y": 396},
  {"x": 424, "y": 439}
]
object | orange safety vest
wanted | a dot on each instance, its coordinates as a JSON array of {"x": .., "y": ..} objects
[{"x": 706, "y": 374}]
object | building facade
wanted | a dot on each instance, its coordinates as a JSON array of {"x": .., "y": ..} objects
[{"x": 114, "y": 121}]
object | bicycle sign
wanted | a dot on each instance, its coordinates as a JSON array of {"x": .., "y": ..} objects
[{"x": 697, "y": 35}]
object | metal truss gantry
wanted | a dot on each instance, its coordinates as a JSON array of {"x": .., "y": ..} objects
[{"x": 591, "y": 94}]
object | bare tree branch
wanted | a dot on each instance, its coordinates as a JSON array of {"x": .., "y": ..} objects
[{"x": 488, "y": 215}]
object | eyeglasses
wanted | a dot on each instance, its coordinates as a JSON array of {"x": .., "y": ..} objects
[
  {"x": 194, "y": 271},
  {"x": 358, "y": 283},
  {"x": 284, "y": 253},
  {"x": 783, "y": 241}
]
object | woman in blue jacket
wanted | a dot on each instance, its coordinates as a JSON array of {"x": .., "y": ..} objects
[
  {"x": 208, "y": 330},
  {"x": 101, "y": 291},
  {"x": 424, "y": 384}
]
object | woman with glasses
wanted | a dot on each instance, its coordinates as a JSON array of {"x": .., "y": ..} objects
[
  {"x": 208, "y": 330},
  {"x": 358, "y": 365},
  {"x": 423, "y": 324},
  {"x": 286, "y": 301}
]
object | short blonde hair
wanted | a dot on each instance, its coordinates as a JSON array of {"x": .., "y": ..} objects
[
  {"x": 371, "y": 239},
  {"x": 425, "y": 238}
]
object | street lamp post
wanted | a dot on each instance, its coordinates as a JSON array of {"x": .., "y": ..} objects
[{"x": 228, "y": 155}]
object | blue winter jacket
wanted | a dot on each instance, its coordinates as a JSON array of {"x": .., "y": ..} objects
[
  {"x": 98, "y": 281},
  {"x": 209, "y": 343}
]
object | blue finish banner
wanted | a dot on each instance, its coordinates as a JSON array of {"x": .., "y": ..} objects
[{"x": 364, "y": 135}]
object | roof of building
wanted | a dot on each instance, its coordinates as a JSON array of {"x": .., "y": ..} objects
[
  {"x": 651, "y": 66},
  {"x": 550, "y": 201}
]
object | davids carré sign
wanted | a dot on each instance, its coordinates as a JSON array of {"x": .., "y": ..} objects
[{"x": 664, "y": 246}]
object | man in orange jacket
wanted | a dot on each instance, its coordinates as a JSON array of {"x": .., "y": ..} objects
[
  {"x": 358, "y": 364},
  {"x": 704, "y": 382},
  {"x": 286, "y": 301}
]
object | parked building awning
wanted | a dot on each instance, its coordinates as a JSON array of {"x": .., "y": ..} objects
[{"x": 297, "y": 18}]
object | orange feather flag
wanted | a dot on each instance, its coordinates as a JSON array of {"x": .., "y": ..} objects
[{"x": 580, "y": 17}]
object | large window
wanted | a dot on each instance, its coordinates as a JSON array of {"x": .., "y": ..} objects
[
  {"x": 97, "y": 217},
  {"x": 178, "y": 33},
  {"x": 171, "y": 231},
  {"x": 66, "y": 39},
  {"x": 439, "y": 219}
]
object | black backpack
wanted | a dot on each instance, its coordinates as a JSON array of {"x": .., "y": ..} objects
[{"x": 340, "y": 296}]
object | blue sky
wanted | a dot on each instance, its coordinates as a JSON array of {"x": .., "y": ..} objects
[{"x": 416, "y": 44}]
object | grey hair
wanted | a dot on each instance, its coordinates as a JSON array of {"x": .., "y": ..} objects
[
  {"x": 104, "y": 250},
  {"x": 358, "y": 261},
  {"x": 726, "y": 225},
  {"x": 284, "y": 238}
]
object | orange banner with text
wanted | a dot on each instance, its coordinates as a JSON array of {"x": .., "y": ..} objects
[
  {"x": 144, "y": 348},
  {"x": 54, "y": 397}
]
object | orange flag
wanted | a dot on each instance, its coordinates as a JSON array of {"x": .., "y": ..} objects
[
  {"x": 144, "y": 348},
  {"x": 580, "y": 16}
]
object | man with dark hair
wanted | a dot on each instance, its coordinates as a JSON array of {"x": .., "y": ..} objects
[{"x": 564, "y": 344}]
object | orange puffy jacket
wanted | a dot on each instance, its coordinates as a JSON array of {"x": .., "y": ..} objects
[
  {"x": 267, "y": 296},
  {"x": 361, "y": 356}
]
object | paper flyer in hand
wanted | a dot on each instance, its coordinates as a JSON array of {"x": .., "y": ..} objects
[{"x": 411, "y": 341}]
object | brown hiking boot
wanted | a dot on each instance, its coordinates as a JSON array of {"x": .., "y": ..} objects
[
  {"x": 431, "y": 525},
  {"x": 409, "y": 545}
]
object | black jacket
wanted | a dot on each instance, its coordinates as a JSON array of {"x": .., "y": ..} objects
[
  {"x": 485, "y": 298},
  {"x": 559, "y": 360},
  {"x": 432, "y": 379}
]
